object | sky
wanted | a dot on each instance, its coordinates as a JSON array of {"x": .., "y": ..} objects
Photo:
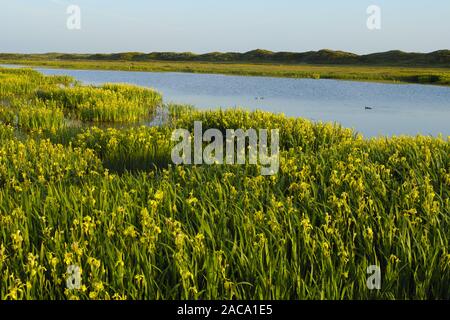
[{"x": 38, "y": 26}]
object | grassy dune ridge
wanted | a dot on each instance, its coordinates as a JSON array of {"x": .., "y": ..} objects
[
  {"x": 393, "y": 66},
  {"x": 440, "y": 58},
  {"x": 109, "y": 201}
]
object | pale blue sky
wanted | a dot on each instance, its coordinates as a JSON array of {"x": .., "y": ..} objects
[{"x": 223, "y": 25}]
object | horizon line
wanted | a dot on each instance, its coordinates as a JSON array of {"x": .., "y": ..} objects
[{"x": 224, "y": 52}]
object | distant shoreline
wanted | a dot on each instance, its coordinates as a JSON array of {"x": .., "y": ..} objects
[{"x": 383, "y": 74}]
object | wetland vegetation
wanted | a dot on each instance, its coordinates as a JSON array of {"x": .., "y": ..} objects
[{"x": 109, "y": 201}]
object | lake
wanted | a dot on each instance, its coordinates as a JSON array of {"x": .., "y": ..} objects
[{"x": 396, "y": 109}]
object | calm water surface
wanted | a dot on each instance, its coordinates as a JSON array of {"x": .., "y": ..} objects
[{"x": 396, "y": 108}]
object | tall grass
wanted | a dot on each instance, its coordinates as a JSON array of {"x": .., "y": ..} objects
[
  {"x": 110, "y": 103},
  {"x": 24, "y": 82},
  {"x": 109, "y": 201},
  {"x": 132, "y": 149},
  {"x": 33, "y": 101}
]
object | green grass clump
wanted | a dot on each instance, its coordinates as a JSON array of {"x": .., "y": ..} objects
[
  {"x": 28, "y": 97},
  {"x": 6, "y": 132},
  {"x": 25, "y": 163},
  {"x": 140, "y": 148},
  {"x": 294, "y": 132},
  {"x": 24, "y": 82},
  {"x": 110, "y": 103},
  {"x": 7, "y": 115},
  {"x": 32, "y": 118},
  {"x": 32, "y": 115}
]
